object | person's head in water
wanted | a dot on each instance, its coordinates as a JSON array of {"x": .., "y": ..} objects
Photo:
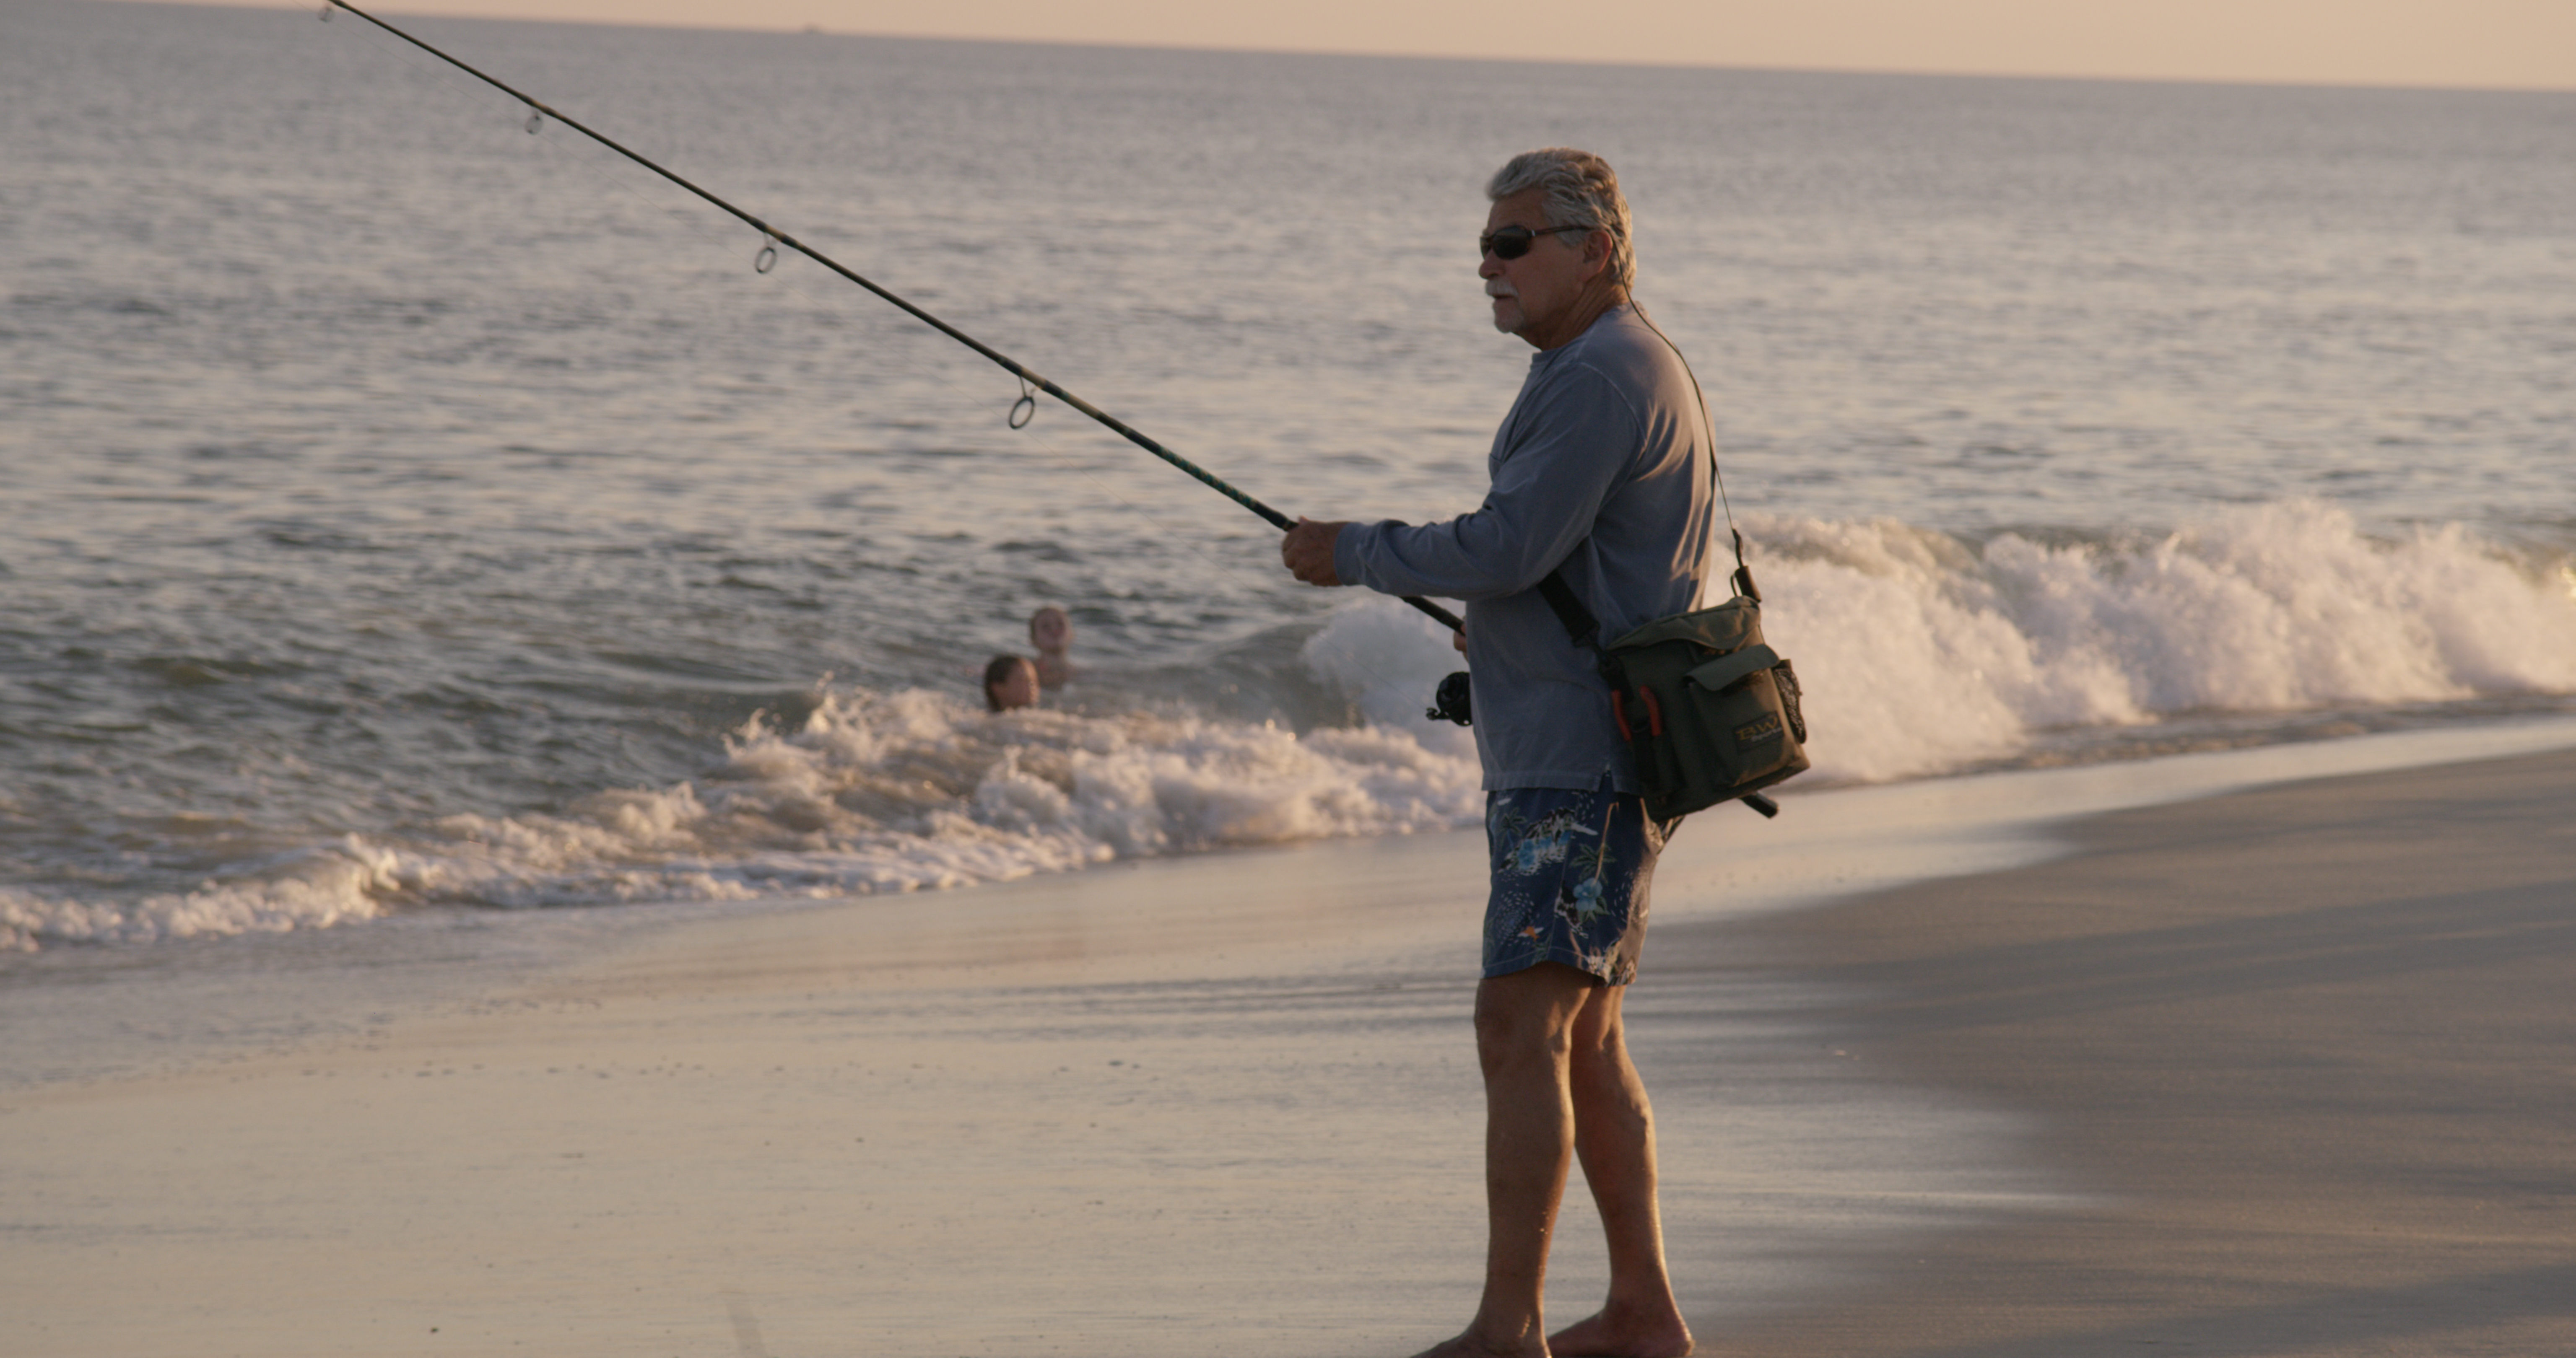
[
  {"x": 1052, "y": 633},
  {"x": 1010, "y": 681}
]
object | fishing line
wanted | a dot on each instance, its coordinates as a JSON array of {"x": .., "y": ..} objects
[
  {"x": 445, "y": 77},
  {"x": 774, "y": 239},
  {"x": 765, "y": 261}
]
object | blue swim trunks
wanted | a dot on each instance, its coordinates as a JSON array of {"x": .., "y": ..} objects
[{"x": 1570, "y": 877}]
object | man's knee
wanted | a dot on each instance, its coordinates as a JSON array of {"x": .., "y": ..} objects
[
  {"x": 1530, "y": 1015},
  {"x": 1599, "y": 1034}
]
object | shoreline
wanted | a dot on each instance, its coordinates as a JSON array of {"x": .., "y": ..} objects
[
  {"x": 77, "y": 1018},
  {"x": 1154, "y": 1111},
  {"x": 1157, "y": 1107}
]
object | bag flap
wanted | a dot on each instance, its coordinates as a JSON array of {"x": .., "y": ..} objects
[
  {"x": 1718, "y": 674},
  {"x": 1724, "y": 628}
]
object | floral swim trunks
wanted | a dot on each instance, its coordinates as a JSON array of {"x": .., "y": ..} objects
[{"x": 1570, "y": 876}]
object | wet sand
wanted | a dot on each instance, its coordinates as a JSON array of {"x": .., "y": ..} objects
[
  {"x": 1218, "y": 1105},
  {"x": 2282, "y": 1072},
  {"x": 2312, "y": 1048}
]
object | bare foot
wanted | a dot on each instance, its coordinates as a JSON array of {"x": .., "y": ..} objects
[
  {"x": 1469, "y": 1345},
  {"x": 1623, "y": 1335}
]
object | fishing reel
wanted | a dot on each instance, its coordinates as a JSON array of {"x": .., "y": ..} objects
[{"x": 1450, "y": 701}]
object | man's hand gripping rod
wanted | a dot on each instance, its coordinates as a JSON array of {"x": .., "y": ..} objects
[{"x": 776, "y": 237}]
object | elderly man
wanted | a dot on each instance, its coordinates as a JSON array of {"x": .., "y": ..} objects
[{"x": 1601, "y": 473}]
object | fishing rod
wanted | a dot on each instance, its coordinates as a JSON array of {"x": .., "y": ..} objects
[{"x": 1022, "y": 411}]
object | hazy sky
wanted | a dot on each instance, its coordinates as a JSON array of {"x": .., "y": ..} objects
[{"x": 2527, "y": 44}]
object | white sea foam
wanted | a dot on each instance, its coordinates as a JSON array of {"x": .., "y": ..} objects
[
  {"x": 1387, "y": 658},
  {"x": 1919, "y": 652},
  {"x": 872, "y": 793},
  {"x": 335, "y": 885}
]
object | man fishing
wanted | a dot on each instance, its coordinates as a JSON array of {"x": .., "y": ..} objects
[
  {"x": 1598, "y": 480},
  {"x": 1601, "y": 473}
]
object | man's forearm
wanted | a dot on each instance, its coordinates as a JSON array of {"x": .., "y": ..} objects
[{"x": 1471, "y": 557}]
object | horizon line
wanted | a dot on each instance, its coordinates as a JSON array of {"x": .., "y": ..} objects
[{"x": 816, "y": 30}]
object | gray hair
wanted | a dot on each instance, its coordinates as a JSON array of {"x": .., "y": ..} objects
[{"x": 1582, "y": 190}]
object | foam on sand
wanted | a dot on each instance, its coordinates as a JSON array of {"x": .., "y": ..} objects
[{"x": 1154, "y": 1109}]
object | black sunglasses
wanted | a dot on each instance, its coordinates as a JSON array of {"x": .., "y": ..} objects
[{"x": 1512, "y": 242}]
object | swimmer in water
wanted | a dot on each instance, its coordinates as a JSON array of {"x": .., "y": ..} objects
[
  {"x": 1052, "y": 633},
  {"x": 1010, "y": 681}
]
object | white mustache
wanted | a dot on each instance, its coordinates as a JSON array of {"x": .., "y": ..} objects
[{"x": 1497, "y": 288}]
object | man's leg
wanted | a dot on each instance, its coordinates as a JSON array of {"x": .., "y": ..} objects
[
  {"x": 1614, "y": 1136},
  {"x": 1525, "y": 1025}
]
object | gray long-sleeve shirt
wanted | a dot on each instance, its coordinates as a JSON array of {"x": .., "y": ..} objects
[{"x": 1602, "y": 467}]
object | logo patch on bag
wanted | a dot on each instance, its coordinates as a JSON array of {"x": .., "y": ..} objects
[{"x": 1760, "y": 729}]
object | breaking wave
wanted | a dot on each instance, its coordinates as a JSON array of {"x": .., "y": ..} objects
[
  {"x": 870, "y": 793},
  {"x": 1921, "y": 653}
]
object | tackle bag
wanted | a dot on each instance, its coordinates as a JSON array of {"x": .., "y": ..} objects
[{"x": 1709, "y": 712}]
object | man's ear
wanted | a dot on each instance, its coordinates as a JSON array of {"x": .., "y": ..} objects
[{"x": 1596, "y": 254}]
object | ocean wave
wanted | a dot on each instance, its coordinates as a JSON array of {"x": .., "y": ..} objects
[
  {"x": 870, "y": 793},
  {"x": 1921, "y": 653},
  {"x": 336, "y": 885}
]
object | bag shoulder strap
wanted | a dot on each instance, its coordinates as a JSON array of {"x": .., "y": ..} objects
[
  {"x": 1584, "y": 628},
  {"x": 1743, "y": 574},
  {"x": 1578, "y": 620}
]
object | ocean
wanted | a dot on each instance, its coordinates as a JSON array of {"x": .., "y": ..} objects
[{"x": 408, "y": 516}]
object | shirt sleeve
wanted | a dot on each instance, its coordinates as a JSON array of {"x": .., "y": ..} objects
[{"x": 1549, "y": 485}]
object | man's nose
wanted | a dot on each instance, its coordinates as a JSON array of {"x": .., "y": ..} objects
[{"x": 1489, "y": 266}]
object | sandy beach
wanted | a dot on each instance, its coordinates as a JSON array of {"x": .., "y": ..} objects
[
  {"x": 504, "y": 845},
  {"x": 2308, "y": 1046},
  {"x": 2277, "y": 1072}
]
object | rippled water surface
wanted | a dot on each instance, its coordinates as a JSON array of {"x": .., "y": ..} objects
[{"x": 401, "y": 509}]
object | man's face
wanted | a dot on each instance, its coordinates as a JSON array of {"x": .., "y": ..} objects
[{"x": 1534, "y": 294}]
